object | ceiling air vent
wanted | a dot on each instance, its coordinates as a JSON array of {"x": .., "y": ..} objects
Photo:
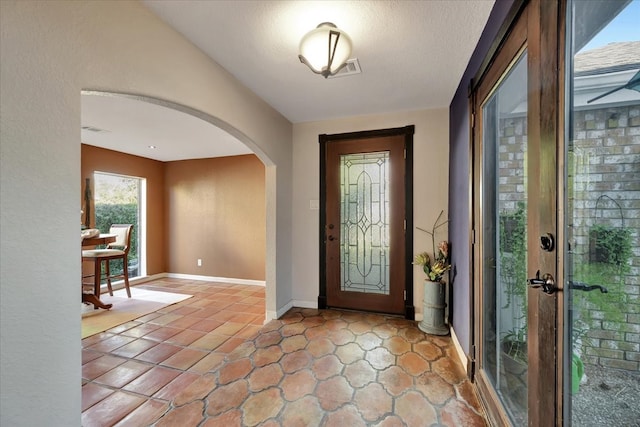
[
  {"x": 352, "y": 67},
  {"x": 93, "y": 129}
]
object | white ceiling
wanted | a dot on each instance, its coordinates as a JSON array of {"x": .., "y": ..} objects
[
  {"x": 412, "y": 55},
  {"x": 154, "y": 131}
]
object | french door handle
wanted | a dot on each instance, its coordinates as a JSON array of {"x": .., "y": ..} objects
[
  {"x": 586, "y": 287},
  {"x": 546, "y": 282},
  {"x": 331, "y": 238}
]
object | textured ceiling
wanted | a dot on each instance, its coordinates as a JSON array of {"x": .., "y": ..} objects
[{"x": 412, "y": 55}]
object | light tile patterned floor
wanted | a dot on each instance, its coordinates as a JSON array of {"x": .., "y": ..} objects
[{"x": 208, "y": 361}]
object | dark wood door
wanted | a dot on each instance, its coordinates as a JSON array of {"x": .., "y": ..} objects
[
  {"x": 364, "y": 206},
  {"x": 516, "y": 103}
]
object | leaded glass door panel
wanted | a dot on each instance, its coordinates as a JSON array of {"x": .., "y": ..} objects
[
  {"x": 363, "y": 230},
  {"x": 364, "y": 222}
]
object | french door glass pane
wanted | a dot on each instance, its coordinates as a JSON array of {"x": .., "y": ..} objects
[
  {"x": 602, "y": 364},
  {"x": 364, "y": 222},
  {"x": 504, "y": 242}
]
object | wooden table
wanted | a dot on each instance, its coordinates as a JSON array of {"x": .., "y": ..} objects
[
  {"x": 94, "y": 298},
  {"x": 102, "y": 239}
]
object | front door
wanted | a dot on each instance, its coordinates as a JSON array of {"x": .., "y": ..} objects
[{"x": 364, "y": 205}]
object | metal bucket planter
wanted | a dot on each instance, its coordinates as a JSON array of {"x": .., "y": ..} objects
[{"x": 434, "y": 305}]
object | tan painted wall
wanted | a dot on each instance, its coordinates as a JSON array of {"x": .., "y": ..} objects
[
  {"x": 212, "y": 209},
  {"x": 102, "y": 160},
  {"x": 216, "y": 212},
  {"x": 430, "y": 189},
  {"x": 49, "y": 52}
]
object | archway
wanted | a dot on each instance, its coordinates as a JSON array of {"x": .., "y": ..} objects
[{"x": 223, "y": 128}]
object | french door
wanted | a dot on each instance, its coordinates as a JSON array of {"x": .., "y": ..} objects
[
  {"x": 515, "y": 222},
  {"x": 365, "y": 201},
  {"x": 601, "y": 247},
  {"x": 556, "y": 146}
]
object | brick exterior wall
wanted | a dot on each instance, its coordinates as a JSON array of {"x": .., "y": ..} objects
[
  {"x": 606, "y": 154},
  {"x": 604, "y": 188}
]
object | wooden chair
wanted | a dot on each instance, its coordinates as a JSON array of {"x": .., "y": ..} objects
[{"x": 116, "y": 250}]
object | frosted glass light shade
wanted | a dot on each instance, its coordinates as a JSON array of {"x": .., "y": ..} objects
[{"x": 325, "y": 49}]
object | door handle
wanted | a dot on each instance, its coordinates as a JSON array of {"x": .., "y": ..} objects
[
  {"x": 586, "y": 287},
  {"x": 546, "y": 282},
  {"x": 330, "y": 236}
]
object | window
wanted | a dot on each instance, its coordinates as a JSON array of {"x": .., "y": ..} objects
[{"x": 121, "y": 199}]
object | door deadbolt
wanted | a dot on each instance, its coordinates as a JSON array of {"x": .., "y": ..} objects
[{"x": 547, "y": 242}]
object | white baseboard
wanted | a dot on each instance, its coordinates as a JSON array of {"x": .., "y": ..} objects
[
  {"x": 305, "y": 304},
  {"x": 143, "y": 279},
  {"x": 139, "y": 280},
  {"x": 271, "y": 315},
  {"x": 119, "y": 284},
  {"x": 216, "y": 279},
  {"x": 459, "y": 350}
]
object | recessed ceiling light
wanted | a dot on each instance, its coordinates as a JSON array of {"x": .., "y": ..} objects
[{"x": 152, "y": 147}]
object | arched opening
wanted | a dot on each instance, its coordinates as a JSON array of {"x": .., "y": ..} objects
[{"x": 189, "y": 121}]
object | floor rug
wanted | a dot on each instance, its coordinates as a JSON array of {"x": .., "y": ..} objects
[{"x": 125, "y": 309}]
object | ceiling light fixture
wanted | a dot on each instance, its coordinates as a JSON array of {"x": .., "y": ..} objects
[{"x": 325, "y": 49}]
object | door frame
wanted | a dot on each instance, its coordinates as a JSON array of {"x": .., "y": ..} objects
[
  {"x": 324, "y": 139},
  {"x": 545, "y": 42},
  {"x": 503, "y": 58}
]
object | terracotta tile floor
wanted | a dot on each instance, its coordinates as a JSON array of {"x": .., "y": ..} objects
[{"x": 208, "y": 361}]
